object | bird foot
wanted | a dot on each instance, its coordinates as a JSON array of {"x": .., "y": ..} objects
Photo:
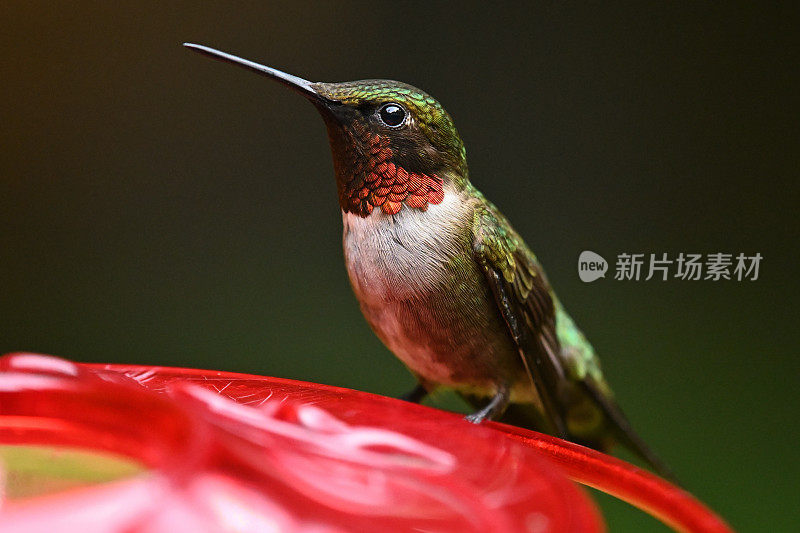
[
  {"x": 416, "y": 395},
  {"x": 495, "y": 407},
  {"x": 476, "y": 418}
]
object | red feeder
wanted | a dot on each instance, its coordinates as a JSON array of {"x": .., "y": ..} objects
[{"x": 234, "y": 452}]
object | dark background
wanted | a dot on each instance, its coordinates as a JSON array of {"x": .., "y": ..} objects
[{"x": 162, "y": 208}]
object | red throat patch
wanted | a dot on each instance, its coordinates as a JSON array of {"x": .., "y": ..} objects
[{"x": 375, "y": 181}]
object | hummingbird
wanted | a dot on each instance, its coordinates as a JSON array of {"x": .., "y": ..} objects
[{"x": 443, "y": 278}]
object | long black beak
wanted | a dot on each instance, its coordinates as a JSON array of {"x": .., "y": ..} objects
[{"x": 304, "y": 87}]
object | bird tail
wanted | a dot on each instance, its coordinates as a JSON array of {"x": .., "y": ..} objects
[
  {"x": 615, "y": 429},
  {"x": 623, "y": 432}
]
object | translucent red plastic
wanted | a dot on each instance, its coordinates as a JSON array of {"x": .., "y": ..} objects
[{"x": 233, "y": 452}]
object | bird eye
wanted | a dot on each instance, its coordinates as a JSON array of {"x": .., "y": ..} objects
[{"x": 392, "y": 115}]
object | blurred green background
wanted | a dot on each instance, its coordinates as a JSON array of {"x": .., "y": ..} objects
[{"x": 162, "y": 208}]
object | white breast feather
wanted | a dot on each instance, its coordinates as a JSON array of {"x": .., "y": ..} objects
[{"x": 405, "y": 253}]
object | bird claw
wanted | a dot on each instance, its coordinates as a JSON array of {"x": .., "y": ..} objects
[
  {"x": 416, "y": 395},
  {"x": 475, "y": 418},
  {"x": 495, "y": 407}
]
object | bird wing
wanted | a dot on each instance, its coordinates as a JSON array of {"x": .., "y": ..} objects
[
  {"x": 539, "y": 325},
  {"x": 524, "y": 300}
]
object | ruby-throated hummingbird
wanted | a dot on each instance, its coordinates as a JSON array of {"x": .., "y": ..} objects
[{"x": 442, "y": 277}]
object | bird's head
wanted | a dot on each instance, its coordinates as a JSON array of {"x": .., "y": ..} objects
[{"x": 393, "y": 145}]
